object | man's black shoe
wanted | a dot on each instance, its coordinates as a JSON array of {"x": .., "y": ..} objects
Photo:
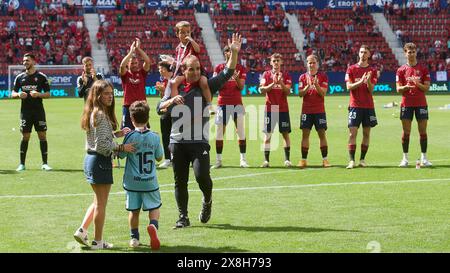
[{"x": 205, "y": 214}]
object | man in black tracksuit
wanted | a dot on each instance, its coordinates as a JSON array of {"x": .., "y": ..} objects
[
  {"x": 87, "y": 78},
  {"x": 190, "y": 132},
  {"x": 165, "y": 120}
]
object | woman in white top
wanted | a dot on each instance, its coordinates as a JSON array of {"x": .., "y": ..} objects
[{"x": 99, "y": 122}]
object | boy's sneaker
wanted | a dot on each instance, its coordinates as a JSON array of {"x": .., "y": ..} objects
[
  {"x": 134, "y": 242},
  {"x": 166, "y": 164},
  {"x": 153, "y": 233},
  {"x": 326, "y": 163},
  {"x": 265, "y": 164},
  {"x": 351, "y": 164},
  {"x": 46, "y": 167},
  {"x": 182, "y": 222},
  {"x": 205, "y": 214},
  {"x": 244, "y": 164},
  {"x": 101, "y": 245},
  {"x": 362, "y": 163},
  {"x": 81, "y": 237},
  {"x": 20, "y": 168},
  {"x": 425, "y": 163},
  {"x": 404, "y": 163},
  {"x": 217, "y": 165},
  {"x": 302, "y": 164},
  {"x": 287, "y": 163}
]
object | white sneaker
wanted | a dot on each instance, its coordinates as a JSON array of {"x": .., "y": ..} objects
[
  {"x": 217, "y": 165},
  {"x": 46, "y": 167},
  {"x": 362, "y": 163},
  {"x": 403, "y": 163},
  {"x": 244, "y": 164},
  {"x": 166, "y": 164},
  {"x": 265, "y": 164},
  {"x": 351, "y": 164},
  {"x": 425, "y": 163},
  {"x": 101, "y": 245},
  {"x": 20, "y": 168},
  {"x": 212, "y": 111},
  {"x": 134, "y": 242},
  {"x": 287, "y": 163},
  {"x": 81, "y": 237}
]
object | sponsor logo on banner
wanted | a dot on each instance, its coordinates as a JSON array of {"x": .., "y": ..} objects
[
  {"x": 60, "y": 80},
  {"x": 339, "y": 88},
  {"x": 118, "y": 93},
  {"x": 15, "y": 3},
  {"x": 152, "y": 4},
  {"x": 115, "y": 80},
  {"x": 5, "y": 94},
  {"x": 163, "y": 3},
  {"x": 58, "y": 93},
  {"x": 439, "y": 87},
  {"x": 100, "y": 3},
  {"x": 298, "y": 4},
  {"x": 336, "y": 4},
  {"x": 420, "y": 3}
]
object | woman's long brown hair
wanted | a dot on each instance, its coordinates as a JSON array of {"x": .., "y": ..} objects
[{"x": 94, "y": 105}]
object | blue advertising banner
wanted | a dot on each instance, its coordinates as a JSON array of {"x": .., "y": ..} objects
[
  {"x": 65, "y": 86},
  {"x": 153, "y": 4},
  {"x": 302, "y": 4},
  {"x": 101, "y": 4},
  {"x": 375, "y": 5},
  {"x": 27, "y": 4},
  {"x": 420, "y": 4}
]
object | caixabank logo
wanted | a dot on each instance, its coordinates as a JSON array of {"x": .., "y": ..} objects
[{"x": 439, "y": 87}]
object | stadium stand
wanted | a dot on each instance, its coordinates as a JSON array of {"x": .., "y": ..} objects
[
  {"x": 265, "y": 32},
  {"x": 56, "y": 35},
  {"x": 429, "y": 29},
  {"x": 156, "y": 30},
  {"x": 335, "y": 36}
]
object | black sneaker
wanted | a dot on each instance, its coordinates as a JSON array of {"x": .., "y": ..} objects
[
  {"x": 182, "y": 222},
  {"x": 205, "y": 214}
]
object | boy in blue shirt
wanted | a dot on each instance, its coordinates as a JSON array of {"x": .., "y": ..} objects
[{"x": 139, "y": 180}]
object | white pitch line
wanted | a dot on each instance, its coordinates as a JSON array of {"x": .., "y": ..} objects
[
  {"x": 251, "y": 188},
  {"x": 283, "y": 171},
  {"x": 335, "y": 184},
  {"x": 236, "y": 176}
]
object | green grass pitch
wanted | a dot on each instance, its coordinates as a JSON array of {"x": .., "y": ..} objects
[{"x": 381, "y": 208}]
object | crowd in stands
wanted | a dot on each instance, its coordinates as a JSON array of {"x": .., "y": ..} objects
[
  {"x": 337, "y": 45},
  {"x": 429, "y": 29},
  {"x": 151, "y": 26},
  {"x": 261, "y": 38},
  {"x": 53, "y": 31}
]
